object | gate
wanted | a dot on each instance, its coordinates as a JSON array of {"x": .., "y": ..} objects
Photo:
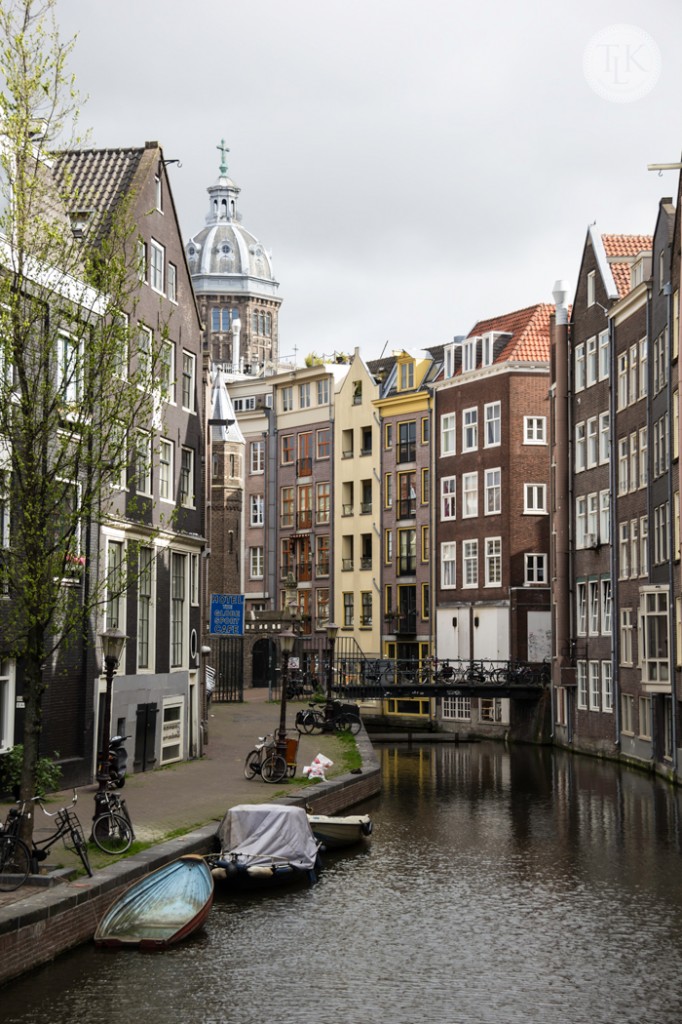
[{"x": 227, "y": 658}]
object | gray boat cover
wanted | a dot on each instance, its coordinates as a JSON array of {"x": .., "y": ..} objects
[{"x": 267, "y": 834}]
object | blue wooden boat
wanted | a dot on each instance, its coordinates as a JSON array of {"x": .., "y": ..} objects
[{"x": 160, "y": 909}]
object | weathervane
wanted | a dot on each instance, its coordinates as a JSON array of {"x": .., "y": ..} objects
[{"x": 223, "y": 151}]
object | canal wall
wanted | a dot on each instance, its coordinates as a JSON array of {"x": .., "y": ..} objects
[{"x": 38, "y": 927}]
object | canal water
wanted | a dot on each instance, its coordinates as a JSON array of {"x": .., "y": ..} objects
[{"x": 500, "y": 886}]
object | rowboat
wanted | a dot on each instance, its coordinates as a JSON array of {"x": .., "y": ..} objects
[
  {"x": 160, "y": 909},
  {"x": 265, "y": 845},
  {"x": 335, "y": 832}
]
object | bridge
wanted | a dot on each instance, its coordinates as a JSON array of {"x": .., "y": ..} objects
[{"x": 367, "y": 679}]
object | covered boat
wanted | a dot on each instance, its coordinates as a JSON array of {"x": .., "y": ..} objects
[
  {"x": 160, "y": 909},
  {"x": 266, "y": 844},
  {"x": 335, "y": 832}
]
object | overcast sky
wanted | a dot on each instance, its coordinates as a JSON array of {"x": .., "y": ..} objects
[{"x": 412, "y": 167}]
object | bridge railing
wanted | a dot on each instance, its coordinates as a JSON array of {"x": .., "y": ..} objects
[{"x": 376, "y": 672}]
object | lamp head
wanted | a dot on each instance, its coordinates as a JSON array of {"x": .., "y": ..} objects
[
  {"x": 332, "y": 632},
  {"x": 287, "y": 640},
  {"x": 113, "y": 642}
]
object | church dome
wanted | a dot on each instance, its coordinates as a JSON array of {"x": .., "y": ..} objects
[{"x": 224, "y": 257}]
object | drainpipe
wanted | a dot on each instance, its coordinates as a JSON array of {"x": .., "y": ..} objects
[
  {"x": 671, "y": 537},
  {"x": 613, "y": 533},
  {"x": 561, "y": 588}
]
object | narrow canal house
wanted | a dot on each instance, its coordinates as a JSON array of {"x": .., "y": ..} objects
[
  {"x": 491, "y": 502},
  {"x": 144, "y": 549},
  {"x": 618, "y": 694},
  {"x": 404, "y": 405},
  {"x": 158, "y": 510}
]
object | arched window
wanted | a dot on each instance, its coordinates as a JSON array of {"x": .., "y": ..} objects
[{"x": 268, "y": 324}]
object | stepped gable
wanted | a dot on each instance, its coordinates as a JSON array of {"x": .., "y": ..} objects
[{"x": 529, "y": 329}]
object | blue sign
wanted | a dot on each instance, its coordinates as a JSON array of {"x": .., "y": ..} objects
[{"x": 227, "y": 615}]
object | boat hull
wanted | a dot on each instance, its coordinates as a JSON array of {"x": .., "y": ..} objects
[
  {"x": 161, "y": 909},
  {"x": 337, "y": 832}
]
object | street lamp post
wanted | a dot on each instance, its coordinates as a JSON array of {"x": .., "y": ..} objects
[
  {"x": 286, "y": 642},
  {"x": 113, "y": 641}
]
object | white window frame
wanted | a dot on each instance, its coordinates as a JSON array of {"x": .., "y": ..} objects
[
  {"x": 535, "y": 430},
  {"x": 469, "y": 564},
  {"x": 492, "y": 416},
  {"x": 470, "y": 429},
  {"x": 493, "y": 561},
  {"x": 469, "y": 495},
  {"x": 448, "y": 434},
  {"x": 187, "y": 477},
  {"x": 534, "y": 499},
  {"x": 157, "y": 265},
  {"x": 493, "y": 491},
  {"x": 256, "y": 510},
  {"x": 189, "y": 369},
  {"x": 166, "y": 469},
  {"x": 448, "y": 498},
  {"x": 535, "y": 571},
  {"x": 448, "y": 565}
]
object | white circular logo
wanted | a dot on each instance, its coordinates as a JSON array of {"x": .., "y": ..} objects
[{"x": 622, "y": 63}]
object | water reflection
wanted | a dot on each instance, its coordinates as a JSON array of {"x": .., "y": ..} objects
[{"x": 500, "y": 886}]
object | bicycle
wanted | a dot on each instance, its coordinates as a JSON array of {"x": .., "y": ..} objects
[
  {"x": 112, "y": 829},
  {"x": 332, "y": 716},
  {"x": 15, "y": 861},
  {"x": 68, "y": 829},
  {"x": 264, "y": 760}
]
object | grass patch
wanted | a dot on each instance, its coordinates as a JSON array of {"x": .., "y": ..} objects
[{"x": 351, "y": 757}]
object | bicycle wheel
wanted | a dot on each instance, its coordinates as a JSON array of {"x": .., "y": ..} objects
[
  {"x": 111, "y": 833},
  {"x": 123, "y": 811},
  {"x": 15, "y": 863},
  {"x": 79, "y": 844},
  {"x": 347, "y": 723},
  {"x": 274, "y": 768},
  {"x": 316, "y": 723},
  {"x": 252, "y": 764}
]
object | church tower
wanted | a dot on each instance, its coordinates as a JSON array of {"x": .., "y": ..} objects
[{"x": 234, "y": 284}]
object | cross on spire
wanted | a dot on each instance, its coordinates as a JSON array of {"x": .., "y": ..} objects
[{"x": 223, "y": 152}]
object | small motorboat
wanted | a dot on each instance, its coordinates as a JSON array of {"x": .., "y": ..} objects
[
  {"x": 335, "y": 832},
  {"x": 160, "y": 909},
  {"x": 265, "y": 844}
]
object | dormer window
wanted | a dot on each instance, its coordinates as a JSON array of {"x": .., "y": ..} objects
[
  {"x": 406, "y": 376},
  {"x": 469, "y": 355},
  {"x": 487, "y": 353},
  {"x": 79, "y": 222},
  {"x": 448, "y": 362}
]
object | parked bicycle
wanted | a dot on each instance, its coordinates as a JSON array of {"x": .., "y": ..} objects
[
  {"x": 329, "y": 717},
  {"x": 112, "y": 829},
  {"x": 264, "y": 760},
  {"x": 68, "y": 829}
]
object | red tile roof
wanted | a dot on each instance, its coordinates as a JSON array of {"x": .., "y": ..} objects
[
  {"x": 625, "y": 245},
  {"x": 529, "y": 329},
  {"x": 620, "y": 251}
]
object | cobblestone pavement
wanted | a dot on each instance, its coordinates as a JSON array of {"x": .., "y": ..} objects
[{"x": 184, "y": 796}]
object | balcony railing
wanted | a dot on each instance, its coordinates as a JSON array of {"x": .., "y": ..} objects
[
  {"x": 322, "y": 516},
  {"x": 365, "y": 508},
  {"x": 304, "y": 519},
  {"x": 322, "y": 568},
  {"x": 366, "y": 562},
  {"x": 347, "y": 564},
  {"x": 365, "y": 620},
  {"x": 401, "y": 622},
  {"x": 304, "y": 572},
  {"x": 347, "y": 510},
  {"x": 347, "y": 453},
  {"x": 304, "y": 467}
]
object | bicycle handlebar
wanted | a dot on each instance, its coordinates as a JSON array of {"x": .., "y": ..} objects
[{"x": 52, "y": 814}]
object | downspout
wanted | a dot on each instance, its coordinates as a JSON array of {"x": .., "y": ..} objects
[
  {"x": 671, "y": 536},
  {"x": 561, "y": 533},
  {"x": 613, "y": 518}
]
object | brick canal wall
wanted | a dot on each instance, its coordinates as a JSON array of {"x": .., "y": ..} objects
[{"x": 50, "y": 921}]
